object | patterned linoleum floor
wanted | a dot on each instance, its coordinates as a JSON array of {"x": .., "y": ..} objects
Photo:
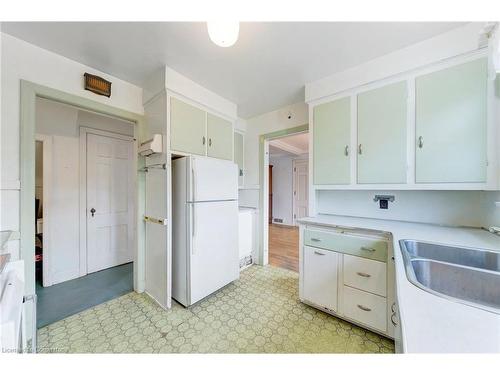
[{"x": 260, "y": 313}]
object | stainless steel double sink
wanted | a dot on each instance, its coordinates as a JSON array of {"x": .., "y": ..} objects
[{"x": 467, "y": 275}]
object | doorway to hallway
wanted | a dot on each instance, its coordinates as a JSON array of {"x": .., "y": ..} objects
[{"x": 288, "y": 198}]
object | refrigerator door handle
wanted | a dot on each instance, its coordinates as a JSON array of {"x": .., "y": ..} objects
[
  {"x": 193, "y": 184},
  {"x": 193, "y": 228}
]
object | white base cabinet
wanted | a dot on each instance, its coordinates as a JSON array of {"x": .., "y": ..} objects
[
  {"x": 320, "y": 277},
  {"x": 349, "y": 274}
]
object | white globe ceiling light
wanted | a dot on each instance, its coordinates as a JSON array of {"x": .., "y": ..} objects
[{"x": 224, "y": 34}]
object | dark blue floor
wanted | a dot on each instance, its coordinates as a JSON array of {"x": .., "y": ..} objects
[{"x": 59, "y": 301}]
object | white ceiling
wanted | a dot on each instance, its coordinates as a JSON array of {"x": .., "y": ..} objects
[
  {"x": 266, "y": 69},
  {"x": 292, "y": 145}
]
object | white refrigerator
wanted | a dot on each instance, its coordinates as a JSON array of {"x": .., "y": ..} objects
[{"x": 204, "y": 228}]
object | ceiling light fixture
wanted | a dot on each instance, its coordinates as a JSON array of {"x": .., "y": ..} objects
[{"x": 224, "y": 34}]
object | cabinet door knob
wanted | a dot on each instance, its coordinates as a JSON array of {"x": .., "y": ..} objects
[
  {"x": 420, "y": 142},
  {"x": 203, "y": 140},
  {"x": 364, "y": 308},
  {"x": 346, "y": 150},
  {"x": 92, "y": 211},
  {"x": 360, "y": 149},
  {"x": 318, "y": 253},
  {"x": 210, "y": 141},
  {"x": 315, "y": 239}
]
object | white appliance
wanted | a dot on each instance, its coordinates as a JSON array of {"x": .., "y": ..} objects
[{"x": 204, "y": 228}]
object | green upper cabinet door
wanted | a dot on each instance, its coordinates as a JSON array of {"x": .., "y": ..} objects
[
  {"x": 331, "y": 138},
  {"x": 382, "y": 135},
  {"x": 451, "y": 124},
  {"x": 187, "y": 128},
  {"x": 238, "y": 155},
  {"x": 220, "y": 137}
]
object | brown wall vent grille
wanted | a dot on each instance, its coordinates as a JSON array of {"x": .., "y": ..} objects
[{"x": 97, "y": 85}]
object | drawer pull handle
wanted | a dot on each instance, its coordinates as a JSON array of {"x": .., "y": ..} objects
[
  {"x": 370, "y": 249},
  {"x": 393, "y": 307},
  {"x": 362, "y": 274},
  {"x": 318, "y": 253},
  {"x": 364, "y": 308},
  {"x": 316, "y": 239}
]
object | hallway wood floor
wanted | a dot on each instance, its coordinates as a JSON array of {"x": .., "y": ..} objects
[{"x": 284, "y": 247}]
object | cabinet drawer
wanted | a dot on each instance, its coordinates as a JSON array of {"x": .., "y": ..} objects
[
  {"x": 359, "y": 246},
  {"x": 320, "y": 269},
  {"x": 365, "y": 274},
  {"x": 365, "y": 308}
]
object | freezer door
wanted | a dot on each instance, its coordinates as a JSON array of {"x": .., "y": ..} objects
[
  {"x": 214, "y": 247},
  {"x": 212, "y": 179}
]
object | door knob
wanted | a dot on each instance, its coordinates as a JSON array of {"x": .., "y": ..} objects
[{"x": 92, "y": 211}]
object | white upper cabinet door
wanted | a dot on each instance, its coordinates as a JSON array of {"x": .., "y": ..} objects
[
  {"x": 451, "y": 124},
  {"x": 187, "y": 128},
  {"x": 331, "y": 138},
  {"x": 382, "y": 115},
  {"x": 220, "y": 137}
]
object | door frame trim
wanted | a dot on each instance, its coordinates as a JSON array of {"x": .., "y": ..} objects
[
  {"x": 294, "y": 185},
  {"x": 83, "y": 188},
  {"x": 28, "y": 94}
]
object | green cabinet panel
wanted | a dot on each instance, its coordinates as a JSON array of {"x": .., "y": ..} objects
[
  {"x": 220, "y": 137},
  {"x": 331, "y": 138},
  {"x": 451, "y": 124},
  {"x": 382, "y": 141},
  {"x": 238, "y": 155},
  {"x": 187, "y": 128},
  {"x": 343, "y": 243}
]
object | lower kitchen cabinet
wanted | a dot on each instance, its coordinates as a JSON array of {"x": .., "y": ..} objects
[
  {"x": 366, "y": 308},
  {"x": 348, "y": 275},
  {"x": 320, "y": 272}
]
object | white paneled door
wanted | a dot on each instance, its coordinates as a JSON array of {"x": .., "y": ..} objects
[
  {"x": 110, "y": 207},
  {"x": 300, "y": 189}
]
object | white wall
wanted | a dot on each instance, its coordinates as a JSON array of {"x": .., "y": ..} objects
[
  {"x": 62, "y": 123},
  {"x": 490, "y": 208},
  {"x": 21, "y": 60},
  {"x": 263, "y": 124},
  {"x": 440, "y": 207}
]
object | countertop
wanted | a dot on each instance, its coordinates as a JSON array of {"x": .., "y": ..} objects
[{"x": 432, "y": 324}]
